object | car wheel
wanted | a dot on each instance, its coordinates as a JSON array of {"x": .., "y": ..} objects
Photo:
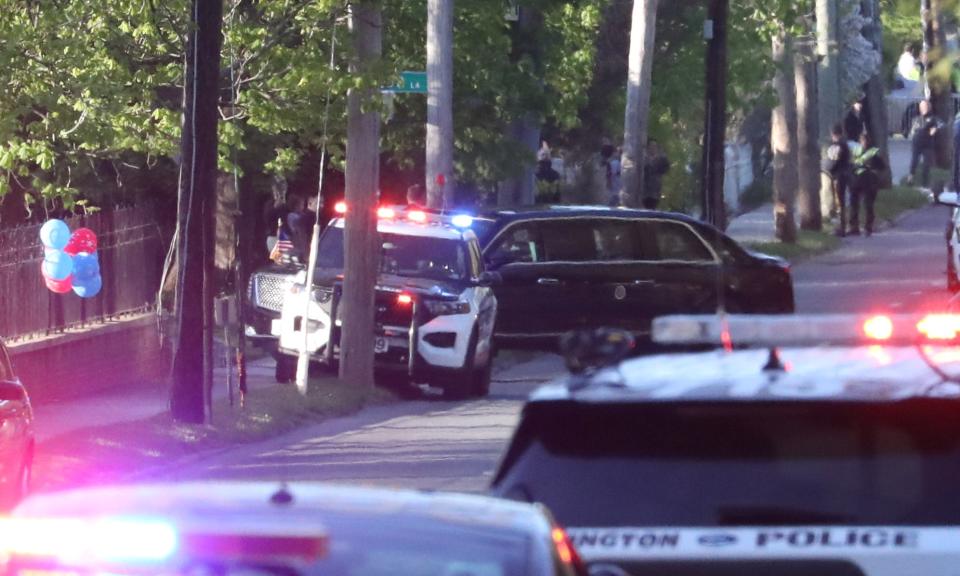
[
  {"x": 481, "y": 379},
  {"x": 463, "y": 382},
  {"x": 286, "y": 369}
]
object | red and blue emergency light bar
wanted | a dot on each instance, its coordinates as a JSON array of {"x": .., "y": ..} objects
[
  {"x": 807, "y": 330},
  {"x": 415, "y": 215}
]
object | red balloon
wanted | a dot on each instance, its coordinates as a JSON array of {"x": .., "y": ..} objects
[
  {"x": 61, "y": 286},
  {"x": 82, "y": 240}
]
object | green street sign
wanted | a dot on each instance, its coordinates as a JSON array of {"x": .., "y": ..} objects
[{"x": 411, "y": 83}]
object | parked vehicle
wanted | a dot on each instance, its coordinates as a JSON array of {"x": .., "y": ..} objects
[
  {"x": 16, "y": 435},
  {"x": 570, "y": 267},
  {"x": 435, "y": 307}
]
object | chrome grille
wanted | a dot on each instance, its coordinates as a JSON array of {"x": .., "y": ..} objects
[{"x": 268, "y": 290}]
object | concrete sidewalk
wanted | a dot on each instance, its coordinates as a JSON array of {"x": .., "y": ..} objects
[
  {"x": 129, "y": 404},
  {"x": 757, "y": 224}
]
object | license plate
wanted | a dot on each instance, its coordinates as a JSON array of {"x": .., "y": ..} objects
[{"x": 380, "y": 345}]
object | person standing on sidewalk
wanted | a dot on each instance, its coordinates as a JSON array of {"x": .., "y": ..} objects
[
  {"x": 923, "y": 140},
  {"x": 837, "y": 164},
  {"x": 868, "y": 165}
]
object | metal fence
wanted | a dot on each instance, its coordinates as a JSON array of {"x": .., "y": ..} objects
[
  {"x": 131, "y": 251},
  {"x": 902, "y": 109}
]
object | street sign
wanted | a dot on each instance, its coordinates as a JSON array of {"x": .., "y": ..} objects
[{"x": 410, "y": 83}]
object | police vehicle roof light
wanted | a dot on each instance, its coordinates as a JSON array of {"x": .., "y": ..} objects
[
  {"x": 386, "y": 212},
  {"x": 95, "y": 540},
  {"x": 340, "y": 207},
  {"x": 418, "y": 216},
  {"x": 940, "y": 326},
  {"x": 808, "y": 330},
  {"x": 462, "y": 221},
  {"x": 878, "y": 327}
]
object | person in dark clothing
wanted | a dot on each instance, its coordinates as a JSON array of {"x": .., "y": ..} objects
[
  {"x": 853, "y": 123},
  {"x": 656, "y": 164},
  {"x": 868, "y": 166},
  {"x": 416, "y": 196},
  {"x": 300, "y": 223},
  {"x": 923, "y": 139},
  {"x": 837, "y": 164}
]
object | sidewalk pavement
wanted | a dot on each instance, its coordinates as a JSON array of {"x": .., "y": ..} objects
[
  {"x": 757, "y": 224},
  {"x": 121, "y": 405}
]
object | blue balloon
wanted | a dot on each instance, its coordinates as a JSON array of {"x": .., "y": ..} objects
[
  {"x": 55, "y": 234},
  {"x": 85, "y": 267},
  {"x": 57, "y": 265},
  {"x": 88, "y": 289}
]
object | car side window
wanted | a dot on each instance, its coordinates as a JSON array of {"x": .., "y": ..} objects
[
  {"x": 519, "y": 244},
  {"x": 616, "y": 240},
  {"x": 569, "y": 241},
  {"x": 674, "y": 241},
  {"x": 6, "y": 371}
]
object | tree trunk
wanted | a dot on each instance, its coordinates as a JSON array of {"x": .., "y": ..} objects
[
  {"x": 828, "y": 77},
  {"x": 198, "y": 176},
  {"x": 940, "y": 84},
  {"x": 440, "y": 182},
  {"x": 783, "y": 139},
  {"x": 715, "y": 131},
  {"x": 876, "y": 104},
  {"x": 361, "y": 242},
  {"x": 808, "y": 136},
  {"x": 643, "y": 30},
  {"x": 521, "y": 189}
]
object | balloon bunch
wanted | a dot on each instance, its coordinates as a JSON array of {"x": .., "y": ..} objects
[{"x": 70, "y": 260}]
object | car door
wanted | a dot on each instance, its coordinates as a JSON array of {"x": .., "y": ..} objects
[
  {"x": 527, "y": 287},
  {"x": 686, "y": 272},
  {"x": 599, "y": 266},
  {"x": 14, "y": 425}
]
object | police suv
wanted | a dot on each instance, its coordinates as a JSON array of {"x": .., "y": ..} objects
[
  {"x": 952, "y": 199},
  {"x": 834, "y": 448},
  {"x": 435, "y": 307}
]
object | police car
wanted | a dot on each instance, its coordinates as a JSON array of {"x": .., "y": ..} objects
[
  {"x": 259, "y": 529},
  {"x": 833, "y": 448},
  {"x": 435, "y": 307}
]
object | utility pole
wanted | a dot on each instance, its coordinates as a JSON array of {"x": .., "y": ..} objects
[
  {"x": 361, "y": 241},
  {"x": 643, "y": 30},
  {"x": 440, "y": 181},
  {"x": 715, "y": 129},
  {"x": 783, "y": 139},
  {"x": 198, "y": 178}
]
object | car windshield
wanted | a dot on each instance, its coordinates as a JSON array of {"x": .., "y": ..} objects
[
  {"x": 747, "y": 464},
  {"x": 402, "y": 255}
]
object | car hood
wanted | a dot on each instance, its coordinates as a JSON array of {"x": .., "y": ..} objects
[{"x": 425, "y": 286}]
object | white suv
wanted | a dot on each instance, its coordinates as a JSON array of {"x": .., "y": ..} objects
[{"x": 435, "y": 306}]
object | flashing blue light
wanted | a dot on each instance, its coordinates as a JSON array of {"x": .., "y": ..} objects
[{"x": 462, "y": 221}]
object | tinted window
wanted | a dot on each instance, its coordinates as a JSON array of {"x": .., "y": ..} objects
[
  {"x": 675, "y": 241},
  {"x": 763, "y": 463},
  {"x": 517, "y": 244},
  {"x": 422, "y": 257},
  {"x": 569, "y": 241}
]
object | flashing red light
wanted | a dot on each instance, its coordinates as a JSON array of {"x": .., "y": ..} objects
[
  {"x": 563, "y": 545},
  {"x": 878, "y": 327},
  {"x": 386, "y": 212},
  {"x": 404, "y": 299},
  {"x": 940, "y": 326},
  {"x": 340, "y": 207},
  {"x": 418, "y": 216}
]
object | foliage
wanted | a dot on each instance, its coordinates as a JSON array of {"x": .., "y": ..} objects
[
  {"x": 892, "y": 202},
  {"x": 859, "y": 61},
  {"x": 758, "y": 193},
  {"x": 809, "y": 243}
]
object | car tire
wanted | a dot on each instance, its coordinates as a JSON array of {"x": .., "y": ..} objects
[
  {"x": 285, "y": 371},
  {"x": 481, "y": 379},
  {"x": 462, "y": 383}
]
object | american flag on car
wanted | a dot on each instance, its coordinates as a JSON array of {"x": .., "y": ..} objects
[{"x": 283, "y": 248}]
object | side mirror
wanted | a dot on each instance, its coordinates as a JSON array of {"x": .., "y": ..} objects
[
  {"x": 589, "y": 350},
  {"x": 488, "y": 279},
  {"x": 951, "y": 199},
  {"x": 12, "y": 392}
]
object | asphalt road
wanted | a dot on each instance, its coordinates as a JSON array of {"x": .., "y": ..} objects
[{"x": 456, "y": 446}]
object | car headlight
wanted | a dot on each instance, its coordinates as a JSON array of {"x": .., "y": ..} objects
[{"x": 446, "y": 308}]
